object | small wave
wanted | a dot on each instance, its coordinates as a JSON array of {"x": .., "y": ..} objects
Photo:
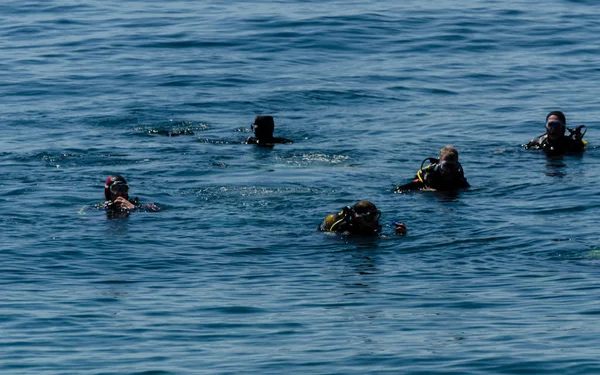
[{"x": 173, "y": 130}]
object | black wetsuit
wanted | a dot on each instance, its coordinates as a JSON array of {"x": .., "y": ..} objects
[
  {"x": 109, "y": 205},
  {"x": 263, "y": 133},
  {"x": 113, "y": 211},
  {"x": 431, "y": 177},
  {"x": 267, "y": 142},
  {"x": 561, "y": 146}
]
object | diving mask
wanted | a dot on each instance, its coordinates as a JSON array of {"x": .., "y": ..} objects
[{"x": 119, "y": 188}]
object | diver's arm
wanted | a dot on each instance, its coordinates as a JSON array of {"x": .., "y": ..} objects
[
  {"x": 268, "y": 142},
  {"x": 123, "y": 203},
  {"x": 536, "y": 143},
  {"x": 532, "y": 145},
  {"x": 415, "y": 184},
  {"x": 282, "y": 140},
  {"x": 148, "y": 207}
]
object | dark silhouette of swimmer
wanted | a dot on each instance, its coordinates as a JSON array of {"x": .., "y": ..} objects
[
  {"x": 554, "y": 142},
  {"x": 443, "y": 174},
  {"x": 116, "y": 192},
  {"x": 263, "y": 132},
  {"x": 360, "y": 219}
]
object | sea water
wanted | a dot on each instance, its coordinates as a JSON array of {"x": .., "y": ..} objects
[{"x": 231, "y": 276}]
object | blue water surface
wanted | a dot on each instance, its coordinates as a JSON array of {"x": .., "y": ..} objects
[{"x": 231, "y": 276}]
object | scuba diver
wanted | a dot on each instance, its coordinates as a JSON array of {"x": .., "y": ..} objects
[
  {"x": 554, "y": 142},
  {"x": 116, "y": 192},
  {"x": 263, "y": 133},
  {"x": 443, "y": 174},
  {"x": 360, "y": 219}
]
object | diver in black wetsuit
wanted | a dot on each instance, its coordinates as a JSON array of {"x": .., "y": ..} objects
[
  {"x": 118, "y": 204},
  {"x": 360, "y": 219},
  {"x": 554, "y": 142},
  {"x": 263, "y": 132},
  {"x": 443, "y": 174},
  {"x": 116, "y": 192}
]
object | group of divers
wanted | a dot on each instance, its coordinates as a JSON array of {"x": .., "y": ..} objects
[{"x": 444, "y": 174}]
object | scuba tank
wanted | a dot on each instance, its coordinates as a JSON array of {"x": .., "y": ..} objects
[{"x": 343, "y": 219}]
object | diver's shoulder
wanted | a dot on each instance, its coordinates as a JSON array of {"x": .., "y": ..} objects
[
  {"x": 537, "y": 142},
  {"x": 281, "y": 140}
]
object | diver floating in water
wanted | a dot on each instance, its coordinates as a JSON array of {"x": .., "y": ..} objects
[
  {"x": 263, "y": 132},
  {"x": 118, "y": 204},
  {"x": 554, "y": 142},
  {"x": 360, "y": 219},
  {"x": 443, "y": 174}
]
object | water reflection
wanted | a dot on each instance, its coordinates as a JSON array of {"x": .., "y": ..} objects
[
  {"x": 447, "y": 196},
  {"x": 554, "y": 167},
  {"x": 118, "y": 224},
  {"x": 360, "y": 264},
  {"x": 117, "y": 214}
]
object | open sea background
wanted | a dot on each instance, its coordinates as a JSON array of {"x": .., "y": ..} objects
[{"x": 231, "y": 276}]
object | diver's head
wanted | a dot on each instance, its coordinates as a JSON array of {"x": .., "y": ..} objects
[
  {"x": 556, "y": 115},
  {"x": 115, "y": 187},
  {"x": 366, "y": 218},
  {"x": 556, "y": 124},
  {"x": 449, "y": 154},
  {"x": 448, "y": 164},
  {"x": 263, "y": 127}
]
